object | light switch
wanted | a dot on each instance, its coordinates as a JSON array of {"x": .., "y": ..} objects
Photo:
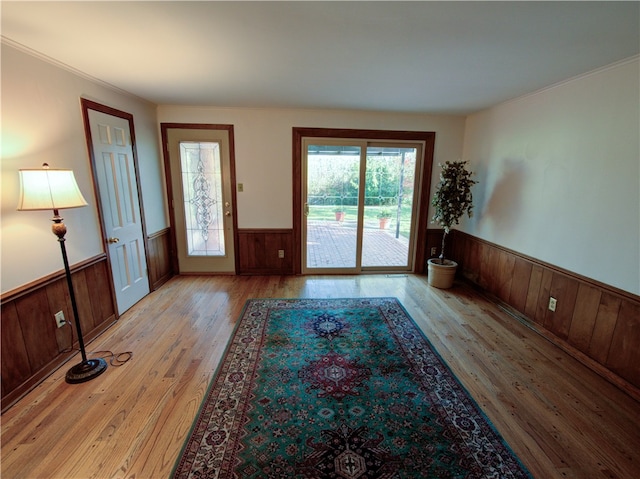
[{"x": 240, "y": 187}]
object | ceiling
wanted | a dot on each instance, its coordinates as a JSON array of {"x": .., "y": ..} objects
[{"x": 437, "y": 57}]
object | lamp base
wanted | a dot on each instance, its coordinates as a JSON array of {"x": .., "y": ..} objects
[{"x": 86, "y": 370}]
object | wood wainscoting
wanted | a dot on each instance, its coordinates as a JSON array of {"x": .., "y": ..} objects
[
  {"x": 32, "y": 345},
  {"x": 258, "y": 251},
  {"x": 159, "y": 258},
  {"x": 596, "y": 323}
]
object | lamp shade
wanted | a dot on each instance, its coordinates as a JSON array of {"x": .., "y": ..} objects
[{"x": 49, "y": 189}]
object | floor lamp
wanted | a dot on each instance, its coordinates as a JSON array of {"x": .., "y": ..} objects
[{"x": 51, "y": 189}]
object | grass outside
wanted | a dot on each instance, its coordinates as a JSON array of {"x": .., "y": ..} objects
[{"x": 328, "y": 213}]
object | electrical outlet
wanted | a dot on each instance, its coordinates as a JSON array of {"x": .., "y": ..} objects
[
  {"x": 280, "y": 253},
  {"x": 60, "y": 321},
  {"x": 434, "y": 251},
  {"x": 553, "y": 302}
]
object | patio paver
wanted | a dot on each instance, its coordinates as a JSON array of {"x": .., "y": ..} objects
[{"x": 332, "y": 244}]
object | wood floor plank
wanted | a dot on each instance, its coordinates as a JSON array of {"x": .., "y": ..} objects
[{"x": 559, "y": 417}]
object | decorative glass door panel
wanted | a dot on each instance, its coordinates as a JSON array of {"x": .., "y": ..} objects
[{"x": 202, "y": 202}]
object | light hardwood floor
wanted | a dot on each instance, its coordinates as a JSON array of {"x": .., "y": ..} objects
[{"x": 559, "y": 417}]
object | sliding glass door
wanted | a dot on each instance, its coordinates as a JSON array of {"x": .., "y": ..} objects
[
  {"x": 359, "y": 205},
  {"x": 389, "y": 194}
]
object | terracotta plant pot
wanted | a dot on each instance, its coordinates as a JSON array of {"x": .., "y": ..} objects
[
  {"x": 339, "y": 215},
  {"x": 441, "y": 275},
  {"x": 383, "y": 223}
]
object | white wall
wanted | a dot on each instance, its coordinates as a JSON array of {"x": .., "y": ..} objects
[
  {"x": 263, "y": 147},
  {"x": 559, "y": 170},
  {"x": 42, "y": 122},
  {"x": 559, "y": 174}
]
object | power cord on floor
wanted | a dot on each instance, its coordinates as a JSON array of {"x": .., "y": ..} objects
[{"x": 115, "y": 359}]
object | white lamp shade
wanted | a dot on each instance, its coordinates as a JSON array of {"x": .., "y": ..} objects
[{"x": 46, "y": 189}]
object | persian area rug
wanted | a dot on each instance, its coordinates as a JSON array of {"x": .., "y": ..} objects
[{"x": 338, "y": 388}]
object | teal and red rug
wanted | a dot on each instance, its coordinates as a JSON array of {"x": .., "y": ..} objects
[{"x": 338, "y": 388}]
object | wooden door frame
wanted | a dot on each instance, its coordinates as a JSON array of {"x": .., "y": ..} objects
[
  {"x": 167, "y": 173},
  {"x": 92, "y": 105},
  {"x": 428, "y": 137}
]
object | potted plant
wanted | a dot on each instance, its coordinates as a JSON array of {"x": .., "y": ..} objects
[
  {"x": 339, "y": 211},
  {"x": 383, "y": 217},
  {"x": 451, "y": 200}
]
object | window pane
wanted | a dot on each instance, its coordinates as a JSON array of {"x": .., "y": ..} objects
[
  {"x": 202, "y": 187},
  {"x": 333, "y": 177},
  {"x": 389, "y": 193}
]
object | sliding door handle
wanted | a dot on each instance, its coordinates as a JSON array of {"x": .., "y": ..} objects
[{"x": 306, "y": 209}]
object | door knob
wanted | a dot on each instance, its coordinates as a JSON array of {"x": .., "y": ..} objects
[
  {"x": 227, "y": 213},
  {"x": 113, "y": 240}
]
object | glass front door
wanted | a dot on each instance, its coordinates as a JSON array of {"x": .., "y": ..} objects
[
  {"x": 359, "y": 206},
  {"x": 202, "y": 199}
]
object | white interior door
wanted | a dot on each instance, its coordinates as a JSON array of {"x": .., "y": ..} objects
[
  {"x": 116, "y": 177},
  {"x": 202, "y": 199}
]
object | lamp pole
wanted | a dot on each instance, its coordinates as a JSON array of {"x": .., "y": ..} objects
[
  {"x": 88, "y": 368},
  {"x": 59, "y": 229}
]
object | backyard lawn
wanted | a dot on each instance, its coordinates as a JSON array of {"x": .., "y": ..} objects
[{"x": 328, "y": 213}]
